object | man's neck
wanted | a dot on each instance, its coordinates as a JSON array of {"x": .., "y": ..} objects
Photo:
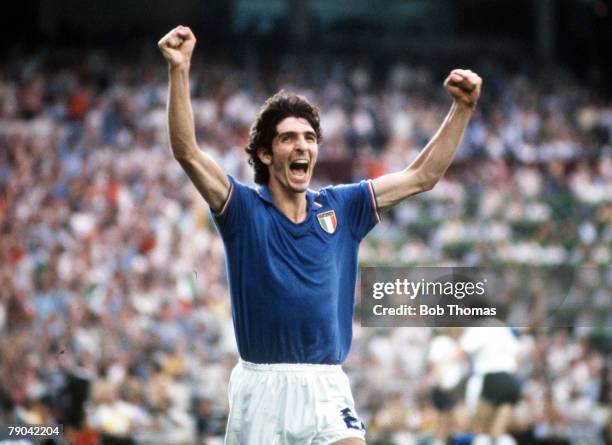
[{"x": 291, "y": 204}]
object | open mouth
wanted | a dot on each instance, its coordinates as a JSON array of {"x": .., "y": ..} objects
[{"x": 299, "y": 167}]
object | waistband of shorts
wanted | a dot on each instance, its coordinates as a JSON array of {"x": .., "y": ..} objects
[{"x": 290, "y": 367}]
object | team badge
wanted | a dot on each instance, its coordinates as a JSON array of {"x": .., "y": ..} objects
[{"x": 327, "y": 221}]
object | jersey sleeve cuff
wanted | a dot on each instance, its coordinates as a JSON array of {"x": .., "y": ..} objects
[
  {"x": 374, "y": 201},
  {"x": 223, "y": 210}
]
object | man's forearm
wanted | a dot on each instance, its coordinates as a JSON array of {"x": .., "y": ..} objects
[
  {"x": 438, "y": 154},
  {"x": 205, "y": 174},
  {"x": 180, "y": 114},
  {"x": 429, "y": 166}
]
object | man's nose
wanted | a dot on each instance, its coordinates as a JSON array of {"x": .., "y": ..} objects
[{"x": 300, "y": 143}]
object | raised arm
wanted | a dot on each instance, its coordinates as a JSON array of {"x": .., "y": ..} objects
[
  {"x": 435, "y": 158},
  {"x": 177, "y": 48}
]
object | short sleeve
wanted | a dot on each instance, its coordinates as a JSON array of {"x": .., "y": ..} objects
[
  {"x": 358, "y": 204},
  {"x": 233, "y": 213}
]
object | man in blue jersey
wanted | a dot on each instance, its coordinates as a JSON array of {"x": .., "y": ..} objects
[{"x": 292, "y": 256}]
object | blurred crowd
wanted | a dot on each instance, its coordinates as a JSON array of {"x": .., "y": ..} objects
[{"x": 114, "y": 309}]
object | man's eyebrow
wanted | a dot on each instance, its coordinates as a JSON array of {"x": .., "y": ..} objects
[{"x": 293, "y": 133}]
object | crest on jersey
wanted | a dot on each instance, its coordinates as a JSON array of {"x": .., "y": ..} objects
[{"x": 327, "y": 221}]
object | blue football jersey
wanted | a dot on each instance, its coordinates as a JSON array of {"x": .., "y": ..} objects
[{"x": 292, "y": 286}]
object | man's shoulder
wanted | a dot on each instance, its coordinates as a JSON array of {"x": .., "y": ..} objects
[
  {"x": 344, "y": 192},
  {"x": 244, "y": 189},
  {"x": 240, "y": 198},
  {"x": 341, "y": 189}
]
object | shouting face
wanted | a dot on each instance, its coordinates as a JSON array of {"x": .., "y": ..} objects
[{"x": 294, "y": 153}]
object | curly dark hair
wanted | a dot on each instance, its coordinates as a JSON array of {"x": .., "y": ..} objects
[{"x": 263, "y": 130}]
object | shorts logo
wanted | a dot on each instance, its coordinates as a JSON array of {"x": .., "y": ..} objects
[
  {"x": 327, "y": 221},
  {"x": 351, "y": 420}
]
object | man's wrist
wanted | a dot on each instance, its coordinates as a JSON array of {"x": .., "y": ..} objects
[
  {"x": 467, "y": 106},
  {"x": 179, "y": 68}
]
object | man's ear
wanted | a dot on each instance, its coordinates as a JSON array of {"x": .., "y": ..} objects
[{"x": 264, "y": 155}]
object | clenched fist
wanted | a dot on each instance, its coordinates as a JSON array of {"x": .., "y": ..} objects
[
  {"x": 464, "y": 86},
  {"x": 177, "y": 46}
]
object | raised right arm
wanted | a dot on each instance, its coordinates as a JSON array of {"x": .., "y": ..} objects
[{"x": 205, "y": 174}]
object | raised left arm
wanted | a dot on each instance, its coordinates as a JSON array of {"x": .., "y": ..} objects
[{"x": 429, "y": 166}]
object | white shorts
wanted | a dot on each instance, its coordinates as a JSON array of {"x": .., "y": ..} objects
[{"x": 287, "y": 404}]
